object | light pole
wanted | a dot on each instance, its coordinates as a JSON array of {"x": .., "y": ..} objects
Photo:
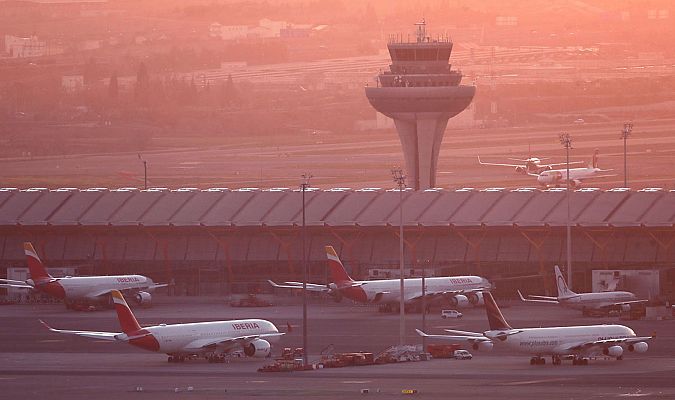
[
  {"x": 305, "y": 183},
  {"x": 145, "y": 171},
  {"x": 625, "y": 133},
  {"x": 566, "y": 141},
  {"x": 424, "y": 304},
  {"x": 399, "y": 178}
]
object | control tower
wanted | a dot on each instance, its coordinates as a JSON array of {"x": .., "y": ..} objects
[{"x": 421, "y": 94}]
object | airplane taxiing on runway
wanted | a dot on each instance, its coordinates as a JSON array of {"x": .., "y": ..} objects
[
  {"x": 530, "y": 165},
  {"x": 585, "y": 301},
  {"x": 458, "y": 290},
  {"x": 565, "y": 342},
  {"x": 86, "y": 289},
  {"x": 213, "y": 340},
  {"x": 558, "y": 177}
]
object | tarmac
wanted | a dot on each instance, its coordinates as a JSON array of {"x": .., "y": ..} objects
[{"x": 35, "y": 363}]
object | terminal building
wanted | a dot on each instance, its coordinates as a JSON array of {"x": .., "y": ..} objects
[{"x": 220, "y": 241}]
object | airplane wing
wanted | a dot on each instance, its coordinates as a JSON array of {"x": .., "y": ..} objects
[
  {"x": 12, "y": 281},
  {"x": 110, "y": 336},
  {"x": 473, "y": 338},
  {"x": 500, "y": 164},
  {"x": 228, "y": 343},
  {"x": 561, "y": 163},
  {"x": 432, "y": 294},
  {"x": 539, "y": 299},
  {"x": 312, "y": 287},
  {"x": 621, "y": 303},
  {"x": 16, "y": 285},
  {"x": 585, "y": 346}
]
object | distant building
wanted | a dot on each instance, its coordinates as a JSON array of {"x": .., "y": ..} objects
[
  {"x": 229, "y": 32},
  {"x": 72, "y": 83},
  {"x": 24, "y": 47}
]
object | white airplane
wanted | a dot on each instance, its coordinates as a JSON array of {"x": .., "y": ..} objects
[
  {"x": 81, "y": 289},
  {"x": 212, "y": 340},
  {"x": 585, "y": 301},
  {"x": 558, "y": 177},
  {"x": 528, "y": 166},
  {"x": 565, "y": 342},
  {"x": 458, "y": 290}
]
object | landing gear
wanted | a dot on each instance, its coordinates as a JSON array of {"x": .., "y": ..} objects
[
  {"x": 556, "y": 360},
  {"x": 176, "y": 359},
  {"x": 619, "y": 358},
  {"x": 579, "y": 361},
  {"x": 216, "y": 358},
  {"x": 384, "y": 308},
  {"x": 537, "y": 361}
]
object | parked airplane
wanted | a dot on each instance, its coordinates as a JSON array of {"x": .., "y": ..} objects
[
  {"x": 558, "y": 177},
  {"x": 530, "y": 165},
  {"x": 212, "y": 340},
  {"x": 565, "y": 342},
  {"x": 81, "y": 289},
  {"x": 585, "y": 301},
  {"x": 458, "y": 290}
]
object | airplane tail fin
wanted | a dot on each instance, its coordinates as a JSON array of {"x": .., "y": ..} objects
[
  {"x": 337, "y": 270},
  {"x": 595, "y": 158},
  {"x": 127, "y": 319},
  {"x": 35, "y": 266},
  {"x": 563, "y": 290},
  {"x": 494, "y": 314}
]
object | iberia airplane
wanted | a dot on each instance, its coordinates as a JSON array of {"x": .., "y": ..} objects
[
  {"x": 81, "y": 289},
  {"x": 213, "y": 340},
  {"x": 565, "y": 342},
  {"x": 613, "y": 300},
  {"x": 458, "y": 290}
]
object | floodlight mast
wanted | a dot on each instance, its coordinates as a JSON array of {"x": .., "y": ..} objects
[
  {"x": 625, "y": 134},
  {"x": 399, "y": 179},
  {"x": 566, "y": 141},
  {"x": 305, "y": 183}
]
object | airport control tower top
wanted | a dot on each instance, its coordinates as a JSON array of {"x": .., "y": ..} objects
[
  {"x": 420, "y": 93},
  {"x": 420, "y": 62}
]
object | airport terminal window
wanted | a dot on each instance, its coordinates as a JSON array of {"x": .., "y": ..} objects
[
  {"x": 426, "y": 54},
  {"x": 404, "y": 54}
]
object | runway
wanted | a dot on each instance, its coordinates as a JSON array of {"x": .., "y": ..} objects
[{"x": 41, "y": 364}]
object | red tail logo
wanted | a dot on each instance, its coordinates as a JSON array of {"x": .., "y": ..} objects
[
  {"x": 127, "y": 319},
  {"x": 494, "y": 314},
  {"x": 37, "y": 270},
  {"x": 337, "y": 270}
]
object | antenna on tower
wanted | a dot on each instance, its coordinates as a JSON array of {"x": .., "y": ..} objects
[{"x": 421, "y": 30}]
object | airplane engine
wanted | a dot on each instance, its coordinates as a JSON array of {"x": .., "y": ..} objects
[
  {"x": 143, "y": 298},
  {"x": 613, "y": 351},
  {"x": 483, "y": 346},
  {"x": 258, "y": 348},
  {"x": 639, "y": 347},
  {"x": 476, "y": 299},
  {"x": 459, "y": 300},
  {"x": 337, "y": 296}
]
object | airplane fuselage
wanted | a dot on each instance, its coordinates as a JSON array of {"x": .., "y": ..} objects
[
  {"x": 559, "y": 176},
  {"x": 177, "y": 338},
  {"x": 91, "y": 287},
  {"x": 596, "y": 300},
  {"x": 557, "y": 340},
  {"x": 388, "y": 290}
]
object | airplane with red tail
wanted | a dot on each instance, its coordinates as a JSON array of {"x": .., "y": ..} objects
[
  {"x": 81, "y": 289},
  {"x": 213, "y": 340},
  {"x": 458, "y": 290},
  {"x": 577, "y": 343}
]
